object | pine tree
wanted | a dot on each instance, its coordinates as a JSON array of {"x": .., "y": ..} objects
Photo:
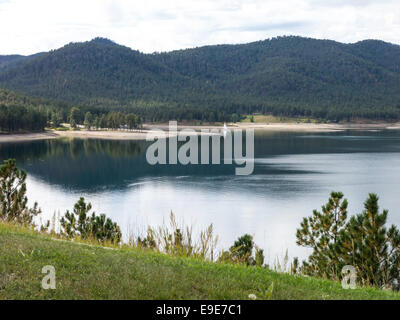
[
  {"x": 372, "y": 249},
  {"x": 56, "y": 118},
  {"x": 320, "y": 232},
  {"x": 104, "y": 229},
  {"x": 131, "y": 121},
  {"x": 242, "y": 252},
  {"x": 79, "y": 222},
  {"x": 74, "y": 117},
  {"x": 88, "y": 120},
  {"x": 242, "y": 248},
  {"x": 13, "y": 199},
  {"x": 363, "y": 242}
]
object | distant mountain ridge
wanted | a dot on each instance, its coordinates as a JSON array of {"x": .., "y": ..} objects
[
  {"x": 13, "y": 60},
  {"x": 285, "y": 75}
]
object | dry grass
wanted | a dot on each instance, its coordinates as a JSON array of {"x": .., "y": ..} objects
[{"x": 178, "y": 239}]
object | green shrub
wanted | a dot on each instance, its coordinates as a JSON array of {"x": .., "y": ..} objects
[
  {"x": 242, "y": 252},
  {"x": 80, "y": 223}
]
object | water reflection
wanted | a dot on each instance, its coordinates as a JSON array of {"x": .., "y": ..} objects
[
  {"x": 90, "y": 164},
  {"x": 294, "y": 173}
]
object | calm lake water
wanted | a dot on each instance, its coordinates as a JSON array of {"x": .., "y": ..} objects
[{"x": 294, "y": 174}]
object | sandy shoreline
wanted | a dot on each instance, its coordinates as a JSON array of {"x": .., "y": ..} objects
[
  {"x": 141, "y": 135},
  {"x": 21, "y": 137},
  {"x": 111, "y": 135},
  {"x": 300, "y": 127},
  {"x": 320, "y": 127}
]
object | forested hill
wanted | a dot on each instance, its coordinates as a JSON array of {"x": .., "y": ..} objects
[
  {"x": 284, "y": 76},
  {"x": 96, "y": 69},
  {"x": 13, "y": 60},
  {"x": 7, "y": 60}
]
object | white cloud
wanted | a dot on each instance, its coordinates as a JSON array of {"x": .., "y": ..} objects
[{"x": 28, "y": 26}]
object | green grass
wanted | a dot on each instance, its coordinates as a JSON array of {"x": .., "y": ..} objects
[{"x": 94, "y": 272}]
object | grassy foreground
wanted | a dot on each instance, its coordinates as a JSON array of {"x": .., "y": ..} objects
[{"x": 94, "y": 272}]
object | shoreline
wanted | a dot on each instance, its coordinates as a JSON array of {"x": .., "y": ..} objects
[
  {"x": 141, "y": 135},
  {"x": 23, "y": 137}
]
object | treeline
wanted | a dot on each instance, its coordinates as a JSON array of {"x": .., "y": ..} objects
[
  {"x": 332, "y": 114},
  {"x": 165, "y": 112},
  {"x": 16, "y": 118},
  {"x": 20, "y": 113},
  {"x": 109, "y": 120}
]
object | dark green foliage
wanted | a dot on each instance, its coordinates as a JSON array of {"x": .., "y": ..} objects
[
  {"x": 6, "y": 61},
  {"x": 56, "y": 118},
  {"x": 235, "y": 118},
  {"x": 259, "y": 257},
  {"x": 74, "y": 117},
  {"x": 372, "y": 249},
  {"x": 13, "y": 200},
  {"x": 88, "y": 122},
  {"x": 321, "y": 232},
  {"x": 15, "y": 118},
  {"x": 242, "y": 252},
  {"x": 14, "y": 60},
  {"x": 362, "y": 242},
  {"x": 294, "y": 268},
  {"x": 80, "y": 223},
  {"x": 284, "y": 76},
  {"x": 133, "y": 121},
  {"x": 242, "y": 248},
  {"x": 110, "y": 120},
  {"x": 95, "y": 69},
  {"x": 21, "y": 113}
]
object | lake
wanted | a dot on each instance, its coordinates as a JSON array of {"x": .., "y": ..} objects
[{"x": 294, "y": 174}]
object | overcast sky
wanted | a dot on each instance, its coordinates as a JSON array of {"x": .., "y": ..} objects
[{"x": 28, "y": 26}]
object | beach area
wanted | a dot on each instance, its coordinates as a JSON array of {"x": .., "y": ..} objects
[{"x": 142, "y": 134}]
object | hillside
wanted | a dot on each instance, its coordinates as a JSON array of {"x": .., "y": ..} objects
[
  {"x": 95, "y": 69},
  {"x": 10, "y": 97},
  {"x": 289, "y": 76},
  {"x": 7, "y": 60},
  {"x": 93, "y": 272},
  {"x": 10, "y": 61}
]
